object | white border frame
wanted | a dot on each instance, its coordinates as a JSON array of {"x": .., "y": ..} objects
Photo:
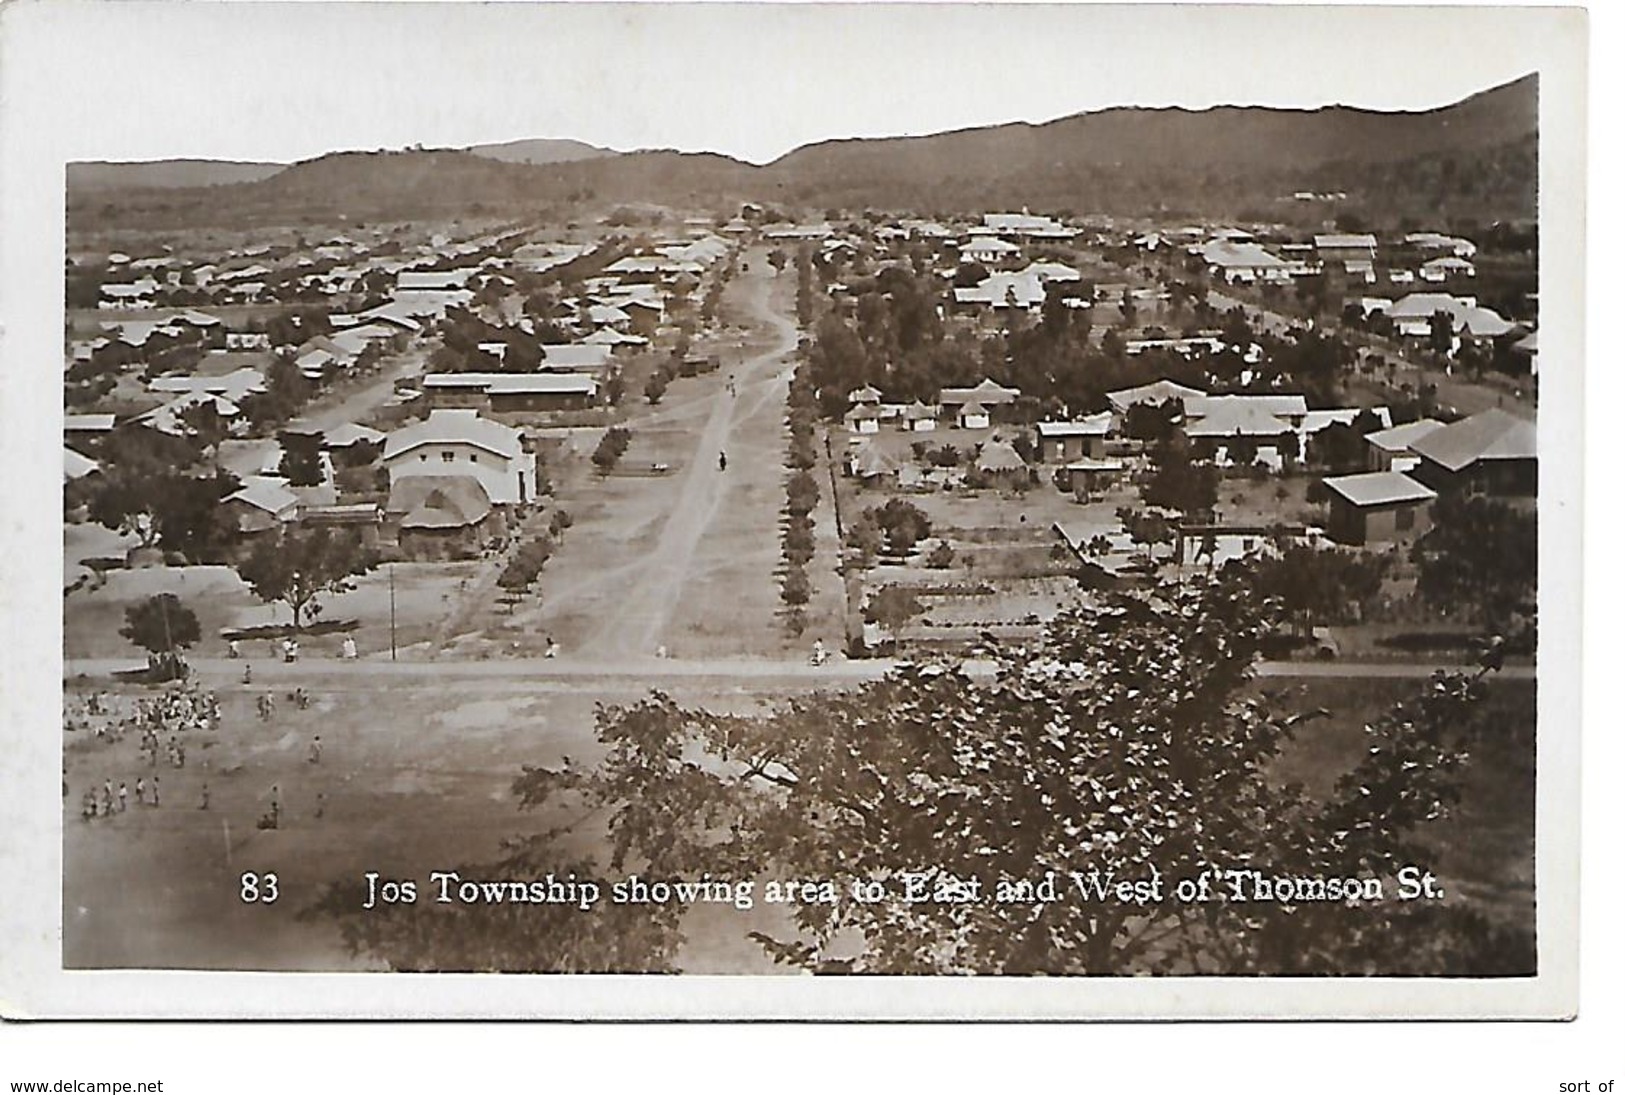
[{"x": 36, "y": 47}]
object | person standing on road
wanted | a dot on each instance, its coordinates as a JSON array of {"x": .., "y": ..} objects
[
  {"x": 204, "y": 803},
  {"x": 722, "y": 461},
  {"x": 155, "y": 790},
  {"x": 123, "y": 797},
  {"x": 316, "y": 749}
]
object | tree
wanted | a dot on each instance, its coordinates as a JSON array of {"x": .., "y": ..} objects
[
  {"x": 903, "y": 523},
  {"x": 1178, "y": 482},
  {"x": 521, "y": 355},
  {"x": 128, "y": 502},
  {"x": 1315, "y": 586},
  {"x": 303, "y": 567},
  {"x": 1481, "y": 554},
  {"x": 301, "y": 462},
  {"x": 1133, "y": 748},
  {"x": 655, "y": 390},
  {"x": 1441, "y": 333},
  {"x": 204, "y": 424},
  {"x": 163, "y": 508},
  {"x": 1151, "y": 421},
  {"x": 892, "y": 608},
  {"x": 1148, "y": 528},
  {"x": 969, "y": 275},
  {"x": 161, "y": 625},
  {"x": 610, "y": 447}
]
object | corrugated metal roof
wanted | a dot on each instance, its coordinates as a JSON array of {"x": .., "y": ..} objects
[
  {"x": 1379, "y": 488},
  {"x": 1490, "y": 435}
]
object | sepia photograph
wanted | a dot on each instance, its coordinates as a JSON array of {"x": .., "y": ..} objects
[{"x": 987, "y": 493}]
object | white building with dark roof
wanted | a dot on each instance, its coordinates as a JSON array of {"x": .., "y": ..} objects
[{"x": 458, "y": 441}]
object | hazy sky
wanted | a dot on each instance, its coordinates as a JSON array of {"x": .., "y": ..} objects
[{"x": 294, "y": 80}]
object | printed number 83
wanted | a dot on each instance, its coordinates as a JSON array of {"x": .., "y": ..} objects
[{"x": 261, "y": 888}]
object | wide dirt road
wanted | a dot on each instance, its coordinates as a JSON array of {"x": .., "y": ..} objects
[{"x": 639, "y": 619}]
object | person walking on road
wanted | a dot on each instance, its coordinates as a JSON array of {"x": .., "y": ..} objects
[{"x": 722, "y": 461}]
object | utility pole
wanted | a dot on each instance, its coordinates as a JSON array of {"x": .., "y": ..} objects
[{"x": 391, "y": 611}]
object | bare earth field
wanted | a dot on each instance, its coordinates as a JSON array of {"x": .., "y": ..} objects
[
  {"x": 416, "y": 775},
  {"x": 669, "y": 550}
]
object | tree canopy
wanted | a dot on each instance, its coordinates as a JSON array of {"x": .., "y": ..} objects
[
  {"x": 301, "y": 567},
  {"x": 1132, "y": 746},
  {"x": 161, "y": 624}
]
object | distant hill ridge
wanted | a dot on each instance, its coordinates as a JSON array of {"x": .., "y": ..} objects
[
  {"x": 167, "y": 173},
  {"x": 1476, "y": 156},
  {"x": 541, "y": 151}
]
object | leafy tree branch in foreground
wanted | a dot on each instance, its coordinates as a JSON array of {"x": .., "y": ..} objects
[{"x": 1134, "y": 742}]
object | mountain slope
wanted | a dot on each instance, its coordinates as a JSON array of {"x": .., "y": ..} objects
[
  {"x": 1476, "y": 158},
  {"x": 1161, "y": 155}
]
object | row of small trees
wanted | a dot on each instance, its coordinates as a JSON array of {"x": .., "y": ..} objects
[
  {"x": 713, "y": 294},
  {"x": 800, "y": 499},
  {"x": 522, "y": 570}
]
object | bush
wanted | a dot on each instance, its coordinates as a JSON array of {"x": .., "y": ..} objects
[
  {"x": 797, "y": 590},
  {"x": 903, "y": 523},
  {"x": 941, "y": 557},
  {"x": 611, "y": 447},
  {"x": 801, "y": 492}
]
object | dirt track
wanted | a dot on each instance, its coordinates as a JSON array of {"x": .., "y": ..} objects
[{"x": 638, "y": 621}]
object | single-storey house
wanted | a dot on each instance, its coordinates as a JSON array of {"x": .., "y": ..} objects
[
  {"x": 1390, "y": 450},
  {"x": 989, "y": 395},
  {"x": 1492, "y": 452},
  {"x": 263, "y": 505},
  {"x": 1000, "y": 462},
  {"x": 440, "y": 516},
  {"x": 1158, "y": 391},
  {"x": 864, "y": 418},
  {"x": 76, "y": 465},
  {"x": 988, "y": 250},
  {"x": 1346, "y": 247},
  {"x": 869, "y": 462},
  {"x": 511, "y": 393},
  {"x": 972, "y": 416},
  {"x": 1245, "y": 262},
  {"x": 1379, "y": 507},
  {"x": 1446, "y": 267},
  {"x": 1060, "y": 442},
  {"x": 1245, "y": 429},
  {"x": 918, "y": 418},
  {"x": 1413, "y": 314}
]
